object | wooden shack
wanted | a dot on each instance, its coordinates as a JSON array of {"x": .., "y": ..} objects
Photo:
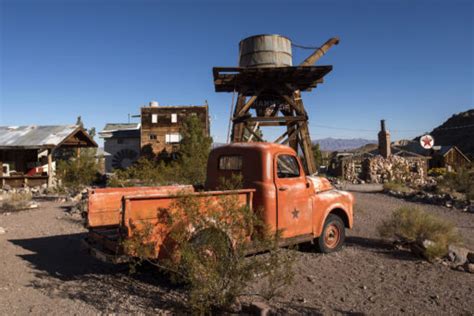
[{"x": 28, "y": 153}]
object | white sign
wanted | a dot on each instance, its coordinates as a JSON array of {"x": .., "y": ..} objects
[{"x": 427, "y": 141}]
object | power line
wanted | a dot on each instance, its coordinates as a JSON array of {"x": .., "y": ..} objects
[{"x": 394, "y": 131}]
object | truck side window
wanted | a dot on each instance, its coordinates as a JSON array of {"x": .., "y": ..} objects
[
  {"x": 233, "y": 163},
  {"x": 287, "y": 167}
]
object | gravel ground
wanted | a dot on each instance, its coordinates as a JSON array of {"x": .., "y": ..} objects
[{"x": 43, "y": 272}]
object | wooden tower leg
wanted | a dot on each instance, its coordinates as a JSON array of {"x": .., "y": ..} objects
[
  {"x": 307, "y": 148},
  {"x": 238, "y": 128}
]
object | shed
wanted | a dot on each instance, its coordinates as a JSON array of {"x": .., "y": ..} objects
[{"x": 28, "y": 153}]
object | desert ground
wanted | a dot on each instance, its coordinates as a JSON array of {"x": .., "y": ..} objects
[{"x": 43, "y": 272}]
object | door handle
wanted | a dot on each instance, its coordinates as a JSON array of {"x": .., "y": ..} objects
[{"x": 283, "y": 188}]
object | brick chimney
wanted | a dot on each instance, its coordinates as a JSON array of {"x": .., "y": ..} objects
[{"x": 384, "y": 141}]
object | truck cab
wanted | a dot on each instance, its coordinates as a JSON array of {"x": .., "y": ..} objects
[{"x": 301, "y": 207}]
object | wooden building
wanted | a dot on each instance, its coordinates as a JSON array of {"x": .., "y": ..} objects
[
  {"x": 450, "y": 157},
  {"x": 28, "y": 154},
  {"x": 161, "y": 127}
]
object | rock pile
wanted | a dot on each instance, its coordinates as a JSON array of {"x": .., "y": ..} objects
[
  {"x": 444, "y": 199},
  {"x": 394, "y": 168}
]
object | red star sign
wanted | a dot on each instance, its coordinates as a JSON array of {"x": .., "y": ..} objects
[{"x": 427, "y": 142}]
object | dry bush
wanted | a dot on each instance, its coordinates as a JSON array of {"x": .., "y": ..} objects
[
  {"x": 414, "y": 226},
  {"x": 16, "y": 202},
  {"x": 209, "y": 252},
  {"x": 396, "y": 186}
]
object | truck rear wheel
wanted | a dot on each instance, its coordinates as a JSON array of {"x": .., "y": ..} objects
[{"x": 333, "y": 235}]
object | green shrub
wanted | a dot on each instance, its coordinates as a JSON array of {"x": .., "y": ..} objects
[
  {"x": 412, "y": 225},
  {"x": 78, "y": 172},
  {"x": 460, "y": 181},
  {"x": 210, "y": 251},
  {"x": 15, "y": 202},
  {"x": 436, "y": 172}
]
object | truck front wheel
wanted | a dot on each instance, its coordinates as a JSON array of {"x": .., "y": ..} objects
[{"x": 332, "y": 236}]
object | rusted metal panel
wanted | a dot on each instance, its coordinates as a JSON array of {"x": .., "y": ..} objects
[{"x": 104, "y": 206}]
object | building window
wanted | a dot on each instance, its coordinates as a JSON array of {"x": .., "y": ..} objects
[
  {"x": 174, "y": 118},
  {"x": 173, "y": 138},
  {"x": 154, "y": 118},
  {"x": 152, "y": 136},
  {"x": 120, "y": 141}
]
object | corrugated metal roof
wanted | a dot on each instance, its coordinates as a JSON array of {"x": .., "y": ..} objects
[
  {"x": 33, "y": 136},
  {"x": 122, "y": 130},
  {"x": 112, "y": 127}
]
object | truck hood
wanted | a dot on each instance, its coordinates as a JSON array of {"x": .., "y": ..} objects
[{"x": 320, "y": 183}]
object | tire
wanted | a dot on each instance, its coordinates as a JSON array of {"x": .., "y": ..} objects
[
  {"x": 212, "y": 242},
  {"x": 333, "y": 235}
]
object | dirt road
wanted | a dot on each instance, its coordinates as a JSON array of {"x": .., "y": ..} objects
[{"x": 43, "y": 272}]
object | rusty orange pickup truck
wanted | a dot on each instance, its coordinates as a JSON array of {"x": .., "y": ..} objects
[{"x": 303, "y": 208}]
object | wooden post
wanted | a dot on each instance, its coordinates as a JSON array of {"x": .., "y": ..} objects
[
  {"x": 238, "y": 128},
  {"x": 50, "y": 168}
]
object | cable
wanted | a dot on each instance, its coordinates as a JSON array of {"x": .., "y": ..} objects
[{"x": 305, "y": 47}]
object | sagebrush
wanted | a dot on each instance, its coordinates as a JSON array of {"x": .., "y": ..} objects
[
  {"x": 413, "y": 225},
  {"x": 15, "y": 201}
]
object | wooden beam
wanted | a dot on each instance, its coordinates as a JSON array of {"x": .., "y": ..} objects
[
  {"x": 279, "y": 139},
  {"x": 253, "y": 133},
  {"x": 249, "y": 103},
  {"x": 50, "y": 168}
]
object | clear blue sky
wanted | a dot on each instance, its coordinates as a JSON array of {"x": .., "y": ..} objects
[{"x": 410, "y": 62}]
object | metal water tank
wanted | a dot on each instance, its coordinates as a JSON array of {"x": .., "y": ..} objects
[{"x": 267, "y": 50}]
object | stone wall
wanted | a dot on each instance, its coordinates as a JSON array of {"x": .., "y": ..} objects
[{"x": 377, "y": 169}]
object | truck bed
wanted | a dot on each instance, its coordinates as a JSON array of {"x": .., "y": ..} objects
[{"x": 115, "y": 213}]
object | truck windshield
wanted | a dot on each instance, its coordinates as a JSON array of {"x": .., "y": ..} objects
[{"x": 287, "y": 167}]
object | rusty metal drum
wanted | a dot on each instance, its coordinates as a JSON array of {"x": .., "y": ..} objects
[{"x": 267, "y": 50}]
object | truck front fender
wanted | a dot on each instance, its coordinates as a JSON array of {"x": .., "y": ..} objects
[{"x": 335, "y": 202}]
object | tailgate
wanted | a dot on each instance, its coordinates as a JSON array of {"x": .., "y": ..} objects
[{"x": 104, "y": 205}]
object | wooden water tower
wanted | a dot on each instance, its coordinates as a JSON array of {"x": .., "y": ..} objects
[{"x": 269, "y": 91}]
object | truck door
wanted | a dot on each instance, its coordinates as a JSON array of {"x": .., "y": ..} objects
[{"x": 294, "y": 205}]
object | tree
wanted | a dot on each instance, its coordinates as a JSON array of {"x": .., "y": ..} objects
[
  {"x": 318, "y": 157},
  {"x": 193, "y": 152},
  {"x": 79, "y": 121}
]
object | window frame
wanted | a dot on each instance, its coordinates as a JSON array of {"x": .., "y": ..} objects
[
  {"x": 168, "y": 138},
  {"x": 241, "y": 163},
  {"x": 295, "y": 159},
  {"x": 154, "y": 118},
  {"x": 175, "y": 116}
]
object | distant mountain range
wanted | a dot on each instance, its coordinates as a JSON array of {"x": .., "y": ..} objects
[{"x": 340, "y": 144}]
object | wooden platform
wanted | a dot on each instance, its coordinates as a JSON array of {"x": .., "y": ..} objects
[{"x": 248, "y": 80}]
